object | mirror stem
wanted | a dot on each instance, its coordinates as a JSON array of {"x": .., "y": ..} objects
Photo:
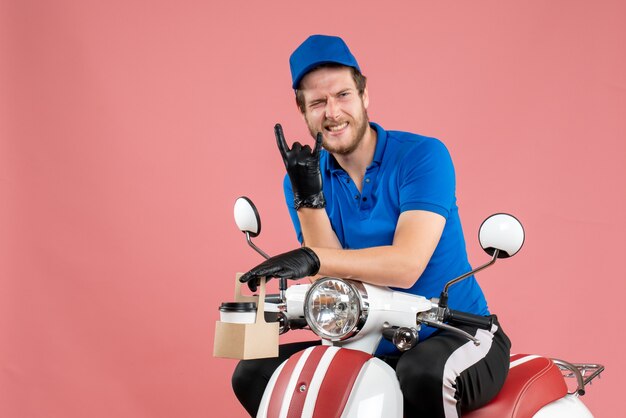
[
  {"x": 443, "y": 299},
  {"x": 257, "y": 249}
]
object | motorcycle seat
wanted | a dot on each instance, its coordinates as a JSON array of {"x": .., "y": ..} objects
[{"x": 533, "y": 382}]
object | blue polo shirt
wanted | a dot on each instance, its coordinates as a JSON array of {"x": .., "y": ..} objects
[{"x": 408, "y": 172}]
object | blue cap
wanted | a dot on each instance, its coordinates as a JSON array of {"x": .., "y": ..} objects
[{"x": 317, "y": 50}]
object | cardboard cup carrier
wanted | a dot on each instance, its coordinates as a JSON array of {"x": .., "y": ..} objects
[{"x": 246, "y": 341}]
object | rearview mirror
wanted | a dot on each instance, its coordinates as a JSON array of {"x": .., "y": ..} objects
[
  {"x": 247, "y": 217},
  {"x": 501, "y": 232}
]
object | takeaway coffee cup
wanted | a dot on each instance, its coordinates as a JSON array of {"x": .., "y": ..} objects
[
  {"x": 238, "y": 312},
  {"x": 271, "y": 313}
]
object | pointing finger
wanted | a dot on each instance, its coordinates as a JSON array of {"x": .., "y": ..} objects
[
  {"x": 318, "y": 143},
  {"x": 280, "y": 140}
]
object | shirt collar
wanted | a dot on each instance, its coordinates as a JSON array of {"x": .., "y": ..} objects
[{"x": 381, "y": 142}]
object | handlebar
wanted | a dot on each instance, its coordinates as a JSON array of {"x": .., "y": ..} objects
[
  {"x": 463, "y": 318},
  {"x": 273, "y": 298}
]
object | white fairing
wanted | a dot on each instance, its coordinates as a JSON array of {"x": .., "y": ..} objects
[
  {"x": 245, "y": 216},
  {"x": 295, "y": 300},
  {"x": 385, "y": 305},
  {"x": 568, "y": 407},
  {"x": 376, "y": 393},
  {"x": 502, "y": 232}
]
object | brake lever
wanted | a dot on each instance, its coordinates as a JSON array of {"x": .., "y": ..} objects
[{"x": 423, "y": 319}]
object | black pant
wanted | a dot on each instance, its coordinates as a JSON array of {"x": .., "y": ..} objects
[{"x": 442, "y": 376}]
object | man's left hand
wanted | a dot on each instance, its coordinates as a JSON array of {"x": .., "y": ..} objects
[
  {"x": 303, "y": 168},
  {"x": 294, "y": 264}
]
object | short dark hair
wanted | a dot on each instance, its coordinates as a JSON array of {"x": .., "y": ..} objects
[{"x": 359, "y": 80}]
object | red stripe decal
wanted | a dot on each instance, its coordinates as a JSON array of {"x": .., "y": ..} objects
[
  {"x": 278, "y": 393},
  {"x": 298, "y": 397},
  {"x": 338, "y": 382}
]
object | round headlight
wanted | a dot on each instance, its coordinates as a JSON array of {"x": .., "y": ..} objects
[{"x": 336, "y": 309}]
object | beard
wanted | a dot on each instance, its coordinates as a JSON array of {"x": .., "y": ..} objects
[{"x": 359, "y": 125}]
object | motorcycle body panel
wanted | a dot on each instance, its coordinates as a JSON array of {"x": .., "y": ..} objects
[
  {"x": 569, "y": 406},
  {"x": 330, "y": 381},
  {"x": 376, "y": 393}
]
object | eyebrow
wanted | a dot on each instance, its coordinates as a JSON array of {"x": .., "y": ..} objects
[
  {"x": 316, "y": 101},
  {"x": 320, "y": 100}
]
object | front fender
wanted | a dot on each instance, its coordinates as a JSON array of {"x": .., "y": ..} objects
[{"x": 325, "y": 381}]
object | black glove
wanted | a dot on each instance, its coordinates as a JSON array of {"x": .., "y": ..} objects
[
  {"x": 303, "y": 168},
  {"x": 294, "y": 264}
]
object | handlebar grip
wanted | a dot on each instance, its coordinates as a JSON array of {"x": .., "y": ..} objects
[
  {"x": 464, "y": 318},
  {"x": 273, "y": 298}
]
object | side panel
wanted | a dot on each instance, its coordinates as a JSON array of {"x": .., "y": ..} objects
[
  {"x": 314, "y": 382},
  {"x": 568, "y": 407},
  {"x": 262, "y": 413},
  {"x": 376, "y": 393},
  {"x": 322, "y": 381}
]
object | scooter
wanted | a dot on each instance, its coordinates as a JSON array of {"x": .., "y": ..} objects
[{"x": 342, "y": 378}]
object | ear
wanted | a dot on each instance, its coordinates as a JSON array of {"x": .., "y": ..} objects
[{"x": 366, "y": 98}]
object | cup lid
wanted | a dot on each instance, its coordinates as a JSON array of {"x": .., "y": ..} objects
[{"x": 238, "y": 307}]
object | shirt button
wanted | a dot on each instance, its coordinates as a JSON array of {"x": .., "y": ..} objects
[
  {"x": 367, "y": 180},
  {"x": 356, "y": 196},
  {"x": 365, "y": 199}
]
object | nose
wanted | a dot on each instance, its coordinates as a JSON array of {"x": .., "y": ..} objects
[{"x": 332, "y": 109}]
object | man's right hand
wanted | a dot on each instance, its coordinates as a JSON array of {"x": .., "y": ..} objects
[
  {"x": 303, "y": 168},
  {"x": 295, "y": 264}
]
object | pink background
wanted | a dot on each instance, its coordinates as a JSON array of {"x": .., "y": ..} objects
[{"x": 129, "y": 127}]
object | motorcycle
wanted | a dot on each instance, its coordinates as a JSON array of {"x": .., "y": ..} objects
[{"x": 342, "y": 377}]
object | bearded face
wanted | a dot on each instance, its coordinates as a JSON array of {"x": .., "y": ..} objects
[{"x": 334, "y": 107}]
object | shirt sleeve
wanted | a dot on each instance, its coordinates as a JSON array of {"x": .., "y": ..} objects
[
  {"x": 427, "y": 180},
  {"x": 292, "y": 212}
]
